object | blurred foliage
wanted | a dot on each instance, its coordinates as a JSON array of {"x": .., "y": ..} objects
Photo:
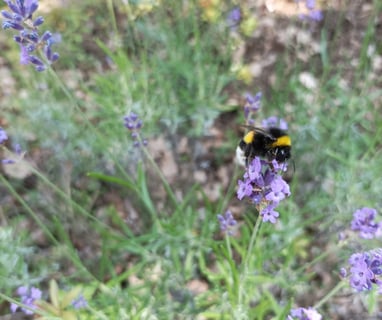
[{"x": 14, "y": 259}]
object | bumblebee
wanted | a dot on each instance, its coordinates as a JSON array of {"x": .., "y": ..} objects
[{"x": 271, "y": 143}]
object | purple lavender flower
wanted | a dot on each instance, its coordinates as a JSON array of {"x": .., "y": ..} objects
[
  {"x": 24, "y": 55},
  {"x": 28, "y": 37},
  {"x": 363, "y": 222},
  {"x": 304, "y": 314},
  {"x": 269, "y": 214},
  {"x": 365, "y": 270},
  {"x": 316, "y": 15},
  {"x": 275, "y": 122},
  {"x": 313, "y": 14},
  {"x": 245, "y": 189},
  {"x": 234, "y": 17},
  {"x": 134, "y": 124},
  {"x": 254, "y": 169},
  {"x": 252, "y": 105},
  {"x": 343, "y": 272},
  {"x": 310, "y": 4},
  {"x": 28, "y": 297},
  {"x": 278, "y": 190},
  {"x": 264, "y": 186},
  {"x": 132, "y": 121},
  {"x": 279, "y": 166},
  {"x": 226, "y": 222},
  {"x": 3, "y": 135},
  {"x": 80, "y": 302},
  {"x": 8, "y": 161}
]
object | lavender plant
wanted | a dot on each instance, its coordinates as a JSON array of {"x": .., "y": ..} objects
[
  {"x": 365, "y": 267},
  {"x": 134, "y": 124},
  {"x": 262, "y": 186},
  {"x": 364, "y": 270},
  {"x": 29, "y": 37},
  {"x": 262, "y": 181}
]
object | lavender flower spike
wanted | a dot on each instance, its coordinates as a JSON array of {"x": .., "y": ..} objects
[
  {"x": 28, "y": 297},
  {"x": 227, "y": 222},
  {"x": 134, "y": 124},
  {"x": 20, "y": 19},
  {"x": 366, "y": 270},
  {"x": 363, "y": 222},
  {"x": 264, "y": 186}
]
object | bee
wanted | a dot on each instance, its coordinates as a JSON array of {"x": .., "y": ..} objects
[{"x": 271, "y": 143}]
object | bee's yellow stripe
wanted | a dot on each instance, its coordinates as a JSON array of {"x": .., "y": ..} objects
[
  {"x": 248, "y": 138},
  {"x": 283, "y": 141}
]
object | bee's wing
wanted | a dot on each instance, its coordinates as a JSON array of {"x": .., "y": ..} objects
[{"x": 260, "y": 130}]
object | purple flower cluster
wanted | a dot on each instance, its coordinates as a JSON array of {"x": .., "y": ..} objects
[
  {"x": 251, "y": 106},
  {"x": 227, "y": 222},
  {"x": 28, "y": 37},
  {"x": 234, "y": 17},
  {"x": 134, "y": 124},
  {"x": 28, "y": 297},
  {"x": 304, "y": 314},
  {"x": 313, "y": 14},
  {"x": 363, "y": 222},
  {"x": 264, "y": 186},
  {"x": 80, "y": 302},
  {"x": 273, "y": 122},
  {"x": 366, "y": 269}
]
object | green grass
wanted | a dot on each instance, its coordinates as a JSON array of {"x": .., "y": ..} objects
[{"x": 73, "y": 222}]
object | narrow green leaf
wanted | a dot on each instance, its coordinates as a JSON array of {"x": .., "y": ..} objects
[
  {"x": 111, "y": 179},
  {"x": 53, "y": 292}
]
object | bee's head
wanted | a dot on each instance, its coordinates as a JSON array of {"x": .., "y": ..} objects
[{"x": 281, "y": 154}]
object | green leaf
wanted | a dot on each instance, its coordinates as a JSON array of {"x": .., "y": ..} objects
[
  {"x": 285, "y": 310},
  {"x": 144, "y": 191},
  {"x": 69, "y": 315},
  {"x": 111, "y": 179},
  {"x": 53, "y": 292},
  {"x": 48, "y": 308}
]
